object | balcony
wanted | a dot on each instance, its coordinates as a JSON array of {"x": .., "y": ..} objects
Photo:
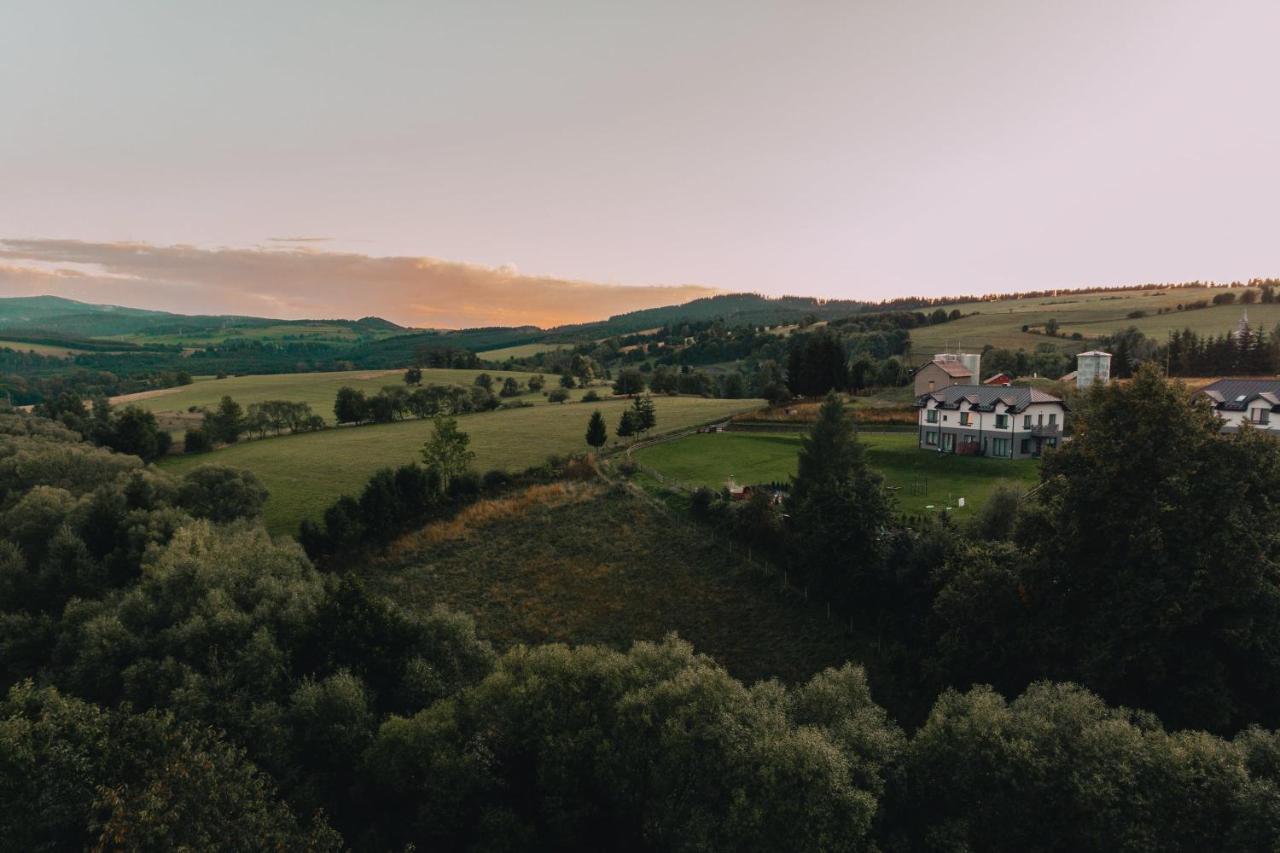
[{"x": 1046, "y": 430}]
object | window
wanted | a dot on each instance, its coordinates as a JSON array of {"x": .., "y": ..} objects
[
  {"x": 931, "y": 416},
  {"x": 1260, "y": 416},
  {"x": 1026, "y": 421},
  {"x": 949, "y": 442},
  {"x": 1002, "y": 421},
  {"x": 1000, "y": 447},
  {"x": 964, "y": 419},
  {"x": 931, "y": 438},
  {"x": 1040, "y": 419},
  {"x": 1053, "y": 419},
  {"x": 1026, "y": 445}
]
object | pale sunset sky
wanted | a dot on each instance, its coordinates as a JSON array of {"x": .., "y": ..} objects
[{"x": 480, "y": 163}]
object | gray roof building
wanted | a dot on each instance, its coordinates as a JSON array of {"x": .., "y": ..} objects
[{"x": 983, "y": 398}]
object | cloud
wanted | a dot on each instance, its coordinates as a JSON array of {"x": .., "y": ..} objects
[
  {"x": 299, "y": 239},
  {"x": 302, "y": 282}
]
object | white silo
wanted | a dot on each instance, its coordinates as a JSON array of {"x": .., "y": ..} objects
[
  {"x": 1093, "y": 366},
  {"x": 971, "y": 360}
]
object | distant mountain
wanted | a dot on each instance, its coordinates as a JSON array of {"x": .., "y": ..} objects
[{"x": 68, "y": 317}]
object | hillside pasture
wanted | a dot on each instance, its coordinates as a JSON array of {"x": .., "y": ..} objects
[
  {"x": 585, "y": 563},
  {"x": 921, "y": 480},
  {"x": 521, "y": 351},
  {"x": 307, "y": 472},
  {"x": 40, "y": 349},
  {"x": 1093, "y": 315},
  {"x": 316, "y": 389}
]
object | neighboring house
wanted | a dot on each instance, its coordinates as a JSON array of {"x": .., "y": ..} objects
[
  {"x": 1012, "y": 422},
  {"x": 998, "y": 379},
  {"x": 941, "y": 373},
  {"x": 1238, "y": 400}
]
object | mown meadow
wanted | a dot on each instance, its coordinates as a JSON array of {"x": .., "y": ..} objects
[
  {"x": 919, "y": 479},
  {"x": 317, "y": 390},
  {"x": 308, "y": 471}
]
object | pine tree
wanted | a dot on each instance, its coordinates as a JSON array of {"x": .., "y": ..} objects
[
  {"x": 838, "y": 510},
  {"x": 597, "y": 432}
]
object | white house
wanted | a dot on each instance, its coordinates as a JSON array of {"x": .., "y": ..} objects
[
  {"x": 1238, "y": 400},
  {"x": 1011, "y": 422}
]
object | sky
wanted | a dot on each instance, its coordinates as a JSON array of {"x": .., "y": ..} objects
[{"x": 475, "y": 163}]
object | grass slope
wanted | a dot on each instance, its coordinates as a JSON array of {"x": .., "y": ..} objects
[
  {"x": 584, "y": 563},
  {"x": 1091, "y": 314},
  {"x": 522, "y": 351},
  {"x": 40, "y": 349},
  {"x": 919, "y": 478},
  {"x": 305, "y": 473},
  {"x": 316, "y": 389}
]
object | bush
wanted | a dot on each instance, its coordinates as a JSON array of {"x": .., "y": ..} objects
[
  {"x": 196, "y": 441},
  {"x": 591, "y": 397}
]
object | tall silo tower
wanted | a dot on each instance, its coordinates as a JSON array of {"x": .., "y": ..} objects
[{"x": 1093, "y": 366}]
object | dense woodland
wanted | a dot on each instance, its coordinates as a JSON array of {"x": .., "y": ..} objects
[{"x": 176, "y": 677}]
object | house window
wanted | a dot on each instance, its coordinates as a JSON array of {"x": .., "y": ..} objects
[
  {"x": 1026, "y": 445},
  {"x": 1053, "y": 420},
  {"x": 1026, "y": 421},
  {"x": 1260, "y": 416},
  {"x": 931, "y": 438},
  {"x": 1000, "y": 447},
  {"x": 1002, "y": 421},
  {"x": 931, "y": 416},
  {"x": 964, "y": 419},
  {"x": 949, "y": 442}
]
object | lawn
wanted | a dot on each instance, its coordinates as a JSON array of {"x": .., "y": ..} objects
[
  {"x": 1000, "y": 323},
  {"x": 316, "y": 389},
  {"x": 919, "y": 479},
  {"x": 307, "y": 472},
  {"x": 584, "y": 563}
]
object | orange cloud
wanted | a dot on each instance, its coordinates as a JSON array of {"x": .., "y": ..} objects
[{"x": 307, "y": 283}]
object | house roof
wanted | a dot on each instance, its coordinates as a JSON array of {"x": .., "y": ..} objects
[
  {"x": 1096, "y": 352},
  {"x": 954, "y": 369},
  {"x": 1235, "y": 395},
  {"x": 998, "y": 379},
  {"x": 985, "y": 397}
]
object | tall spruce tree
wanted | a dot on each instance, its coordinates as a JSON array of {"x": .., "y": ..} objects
[
  {"x": 838, "y": 511},
  {"x": 597, "y": 432}
]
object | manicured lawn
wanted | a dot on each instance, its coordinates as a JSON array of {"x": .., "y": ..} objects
[
  {"x": 919, "y": 479},
  {"x": 316, "y": 389},
  {"x": 307, "y": 472}
]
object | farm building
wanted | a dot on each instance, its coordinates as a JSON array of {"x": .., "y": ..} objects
[
  {"x": 1093, "y": 367},
  {"x": 998, "y": 379},
  {"x": 1012, "y": 422},
  {"x": 947, "y": 369},
  {"x": 1237, "y": 401}
]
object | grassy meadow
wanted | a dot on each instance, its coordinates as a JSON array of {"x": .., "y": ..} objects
[
  {"x": 39, "y": 349},
  {"x": 1000, "y": 323},
  {"x": 521, "y": 351},
  {"x": 316, "y": 389},
  {"x": 585, "y": 563},
  {"x": 307, "y": 472},
  {"x": 279, "y": 333},
  {"x": 919, "y": 479}
]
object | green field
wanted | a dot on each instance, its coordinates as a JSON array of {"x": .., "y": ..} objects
[
  {"x": 316, "y": 389},
  {"x": 999, "y": 323},
  {"x": 522, "y": 351},
  {"x": 39, "y": 349},
  {"x": 919, "y": 479},
  {"x": 307, "y": 472}
]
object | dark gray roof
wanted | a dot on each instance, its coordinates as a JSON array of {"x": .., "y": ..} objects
[
  {"x": 984, "y": 397},
  {"x": 1235, "y": 395}
]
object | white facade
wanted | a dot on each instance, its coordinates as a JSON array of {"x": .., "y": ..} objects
[{"x": 1001, "y": 432}]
